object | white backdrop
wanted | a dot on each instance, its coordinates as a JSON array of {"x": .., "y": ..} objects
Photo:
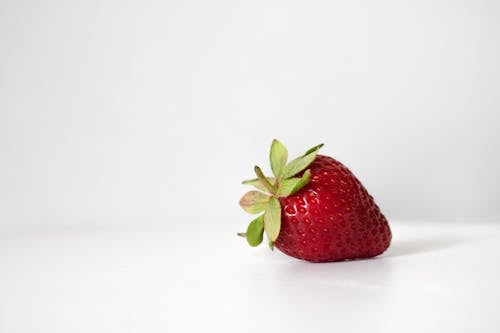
[{"x": 124, "y": 112}]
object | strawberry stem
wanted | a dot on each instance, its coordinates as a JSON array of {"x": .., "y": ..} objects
[{"x": 264, "y": 180}]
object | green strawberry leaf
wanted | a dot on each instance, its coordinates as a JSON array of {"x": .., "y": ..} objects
[
  {"x": 255, "y": 231},
  {"x": 254, "y": 202},
  {"x": 313, "y": 149},
  {"x": 293, "y": 185},
  {"x": 306, "y": 176},
  {"x": 287, "y": 186},
  {"x": 260, "y": 175},
  {"x": 299, "y": 164},
  {"x": 278, "y": 156},
  {"x": 272, "y": 219},
  {"x": 258, "y": 184}
]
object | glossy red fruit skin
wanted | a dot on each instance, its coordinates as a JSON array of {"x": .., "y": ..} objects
[{"x": 332, "y": 218}]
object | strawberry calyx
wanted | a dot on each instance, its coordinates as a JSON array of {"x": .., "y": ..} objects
[{"x": 270, "y": 189}]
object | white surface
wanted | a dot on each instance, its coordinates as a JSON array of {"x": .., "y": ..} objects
[
  {"x": 434, "y": 278},
  {"x": 108, "y": 107}
]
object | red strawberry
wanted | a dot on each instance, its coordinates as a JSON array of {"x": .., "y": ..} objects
[{"x": 321, "y": 214}]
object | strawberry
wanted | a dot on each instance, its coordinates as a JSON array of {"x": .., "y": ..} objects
[{"x": 314, "y": 209}]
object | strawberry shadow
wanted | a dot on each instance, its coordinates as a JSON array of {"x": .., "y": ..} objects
[{"x": 406, "y": 247}]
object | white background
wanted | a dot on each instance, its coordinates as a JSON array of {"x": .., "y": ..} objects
[{"x": 125, "y": 112}]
